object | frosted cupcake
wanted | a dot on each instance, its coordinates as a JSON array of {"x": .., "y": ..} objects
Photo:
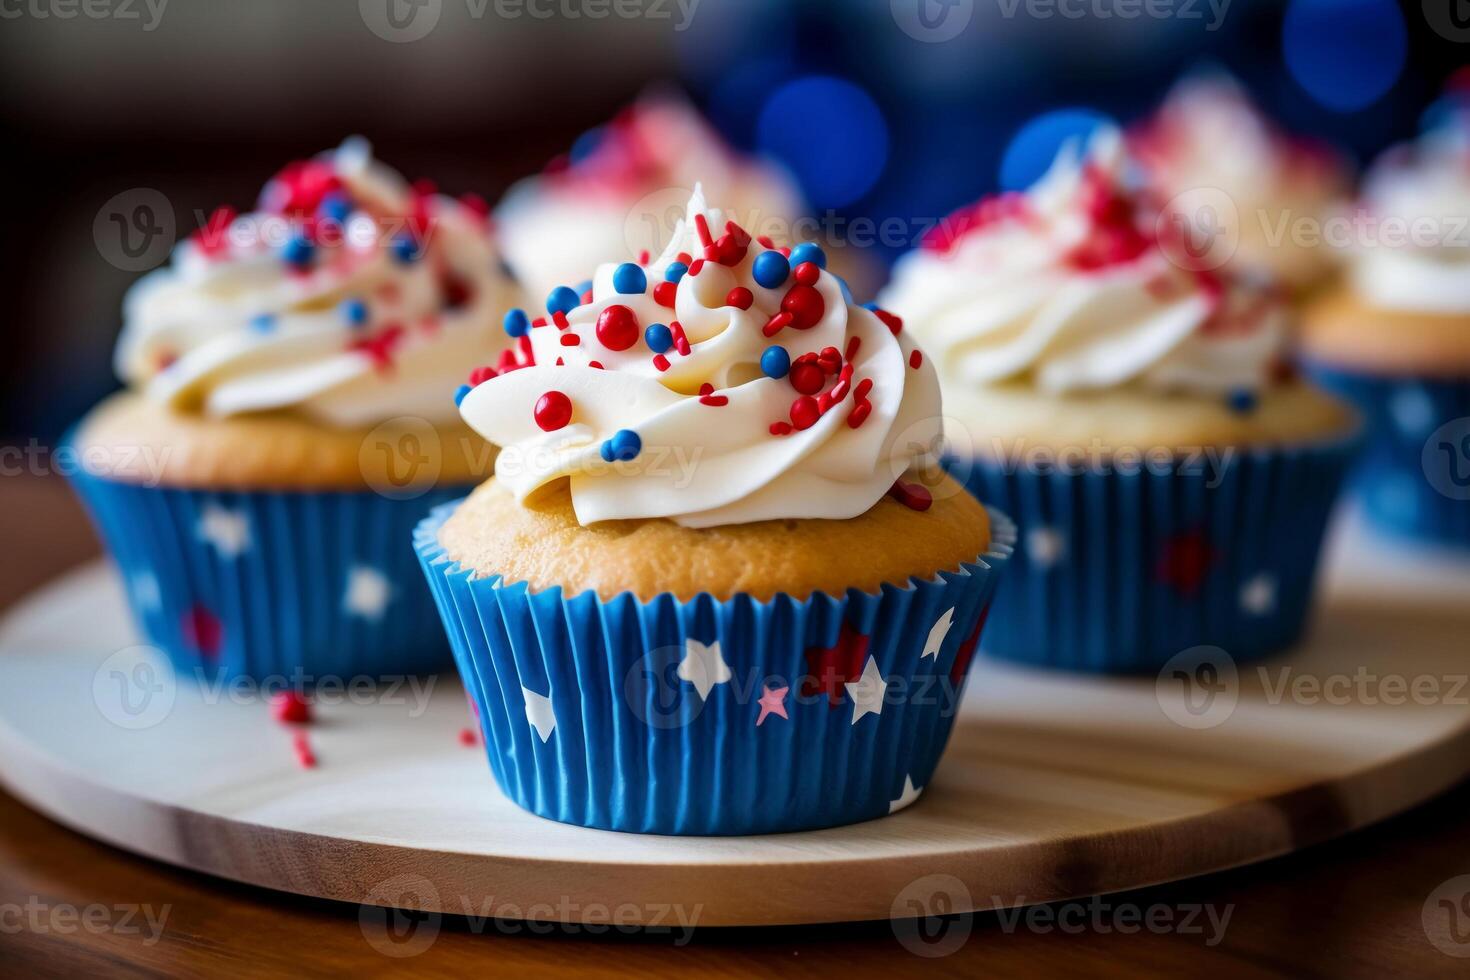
[
  {"x": 1394, "y": 337},
  {"x": 623, "y": 186},
  {"x": 285, "y": 422},
  {"x": 1209, "y": 137},
  {"x": 705, "y": 556},
  {"x": 1171, "y": 480}
]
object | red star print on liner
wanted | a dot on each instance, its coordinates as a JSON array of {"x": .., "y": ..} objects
[
  {"x": 966, "y": 651},
  {"x": 829, "y": 668},
  {"x": 202, "y": 631},
  {"x": 1185, "y": 562},
  {"x": 772, "y": 702}
]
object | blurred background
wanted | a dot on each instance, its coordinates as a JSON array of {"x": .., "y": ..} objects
[{"x": 879, "y": 108}]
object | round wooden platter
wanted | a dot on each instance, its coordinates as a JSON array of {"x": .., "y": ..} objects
[{"x": 1053, "y": 787}]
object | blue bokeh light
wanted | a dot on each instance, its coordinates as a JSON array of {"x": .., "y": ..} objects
[
  {"x": 1347, "y": 54},
  {"x": 1031, "y": 151},
  {"x": 830, "y": 133}
]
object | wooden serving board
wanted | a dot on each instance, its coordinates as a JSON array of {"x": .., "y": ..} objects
[{"x": 1054, "y": 786}]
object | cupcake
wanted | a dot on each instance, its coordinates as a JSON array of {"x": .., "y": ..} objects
[
  {"x": 285, "y": 425},
  {"x": 1394, "y": 336},
  {"x": 708, "y": 590},
  {"x": 1170, "y": 479},
  {"x": 1210, "y": 143},
  {"x": 622, "y": 187}
]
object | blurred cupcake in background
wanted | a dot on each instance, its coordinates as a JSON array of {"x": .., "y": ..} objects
[
  {"x": 1394, "y": 337},
  {"x": 623, "y": 187},
  {"x": 710, "y": 593},
  {"x": 1131, "y": 410},
  {"x": 287, "y": 419},
  {"x": 1209, "y": 136}
]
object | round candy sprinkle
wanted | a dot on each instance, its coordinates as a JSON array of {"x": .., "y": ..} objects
[
  {"x": 264, "y": 323},
  {"x": 562, "y": 299},
  {"x": 1242, "y": 401},
  {"x": 585, "y": 286},
  {"x": 617, "y": 328},
  {"x": 775, "y": 362},
  {"x": 807, "y": 377},
  {"x": 629, "y": 278},
  {"x": 516, "y": 323},
  {"x": 335, "y": 207},
  {"x": 740, "y": 298},
  {"x": 805, "y": 305},
  {"x": 405, "y": 249},
  {"x": 809, "y": 252},
  {"x": 770, "y": 269},
  {"x": 553, "y": 411},
  {"x": 354, "y": 311},
  {"x": 460, "y": 392},
  {"x": 675, "y": 271},
  {"x": 658, "y": 338},
  {"x": 298, "y": 251},
  {"x": 624, "y": 445},
  {"x": 807, "y": 273},
  {"x": 805, "y": 412},
  {"x": 664, "y": 293}
]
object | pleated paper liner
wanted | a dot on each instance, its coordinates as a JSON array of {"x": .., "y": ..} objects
[
  {"x": 713, "y": 716},
  {"x": 1413, "y": 477},
  {"x": 1117, "y": 570},
  {"x": 273, "y": 584}
]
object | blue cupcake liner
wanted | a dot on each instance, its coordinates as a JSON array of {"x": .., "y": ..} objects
[
  {"x": 273, "y": 584},
  {"x": 1119, "y": 569},
  {"x": 1413, "y": 478},
  {"x": 617, "y": 714}
]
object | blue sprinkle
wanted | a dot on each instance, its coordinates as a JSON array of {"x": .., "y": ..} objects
[
  {"x": 563, "y": 299},
  {"x": 405, "y": 249},
  {"x": 675, "y": 271},
  {"x": 871, "y": 307},
  {"x": 1242, "y": 401},
  {"x": 460, "y": 392},
  {"x": 335, "y": 207},
  {"x": 846, "y": 289},
  {"x": 584, "y": 287},
  {"x": 516, "y": 322},
  {"x": 623, "y": 446},
  {"x": 264, "y": 323},
  {"x": 586, "y": 144},
  {"x": 770, "y": 269},
  {"x": 354, "y": 311},
  {"x": 299, "y": 251},
  {"x": 809, "y": 252},
  {"x": 629, "y": 278},
  {"x": 658, "y": 337},
  {"x": 775, "y": 362}
]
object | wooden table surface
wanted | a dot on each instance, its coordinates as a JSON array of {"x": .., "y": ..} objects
[{"x": 70, "y": 906}]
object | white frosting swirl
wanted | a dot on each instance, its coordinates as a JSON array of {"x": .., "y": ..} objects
[
  {"x": 397, "y": 290},
  {"x": 1068, "y": 286},
  {"x": 744, "y": 450},
  {"x": 624, "y": 192},
  {"x": 1415, "y": 252}
]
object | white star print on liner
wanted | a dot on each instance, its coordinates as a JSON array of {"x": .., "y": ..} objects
[
  {"x": 937, "y": 634},
  {"x": 909, "y": 795},
  {"x": 368, "y": 592},
  {"x": 1258, "y": 596},
  {"x": 539, "y": 713},
  {"x": 867, "y": 691},
  {"x": 227, "y": 530},
  {"x": 703, "y": 666},
  {"x": 1045, "y": 546},
  {"x": 146, "y": 592}
]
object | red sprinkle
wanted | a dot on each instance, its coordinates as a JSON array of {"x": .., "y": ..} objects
[
  {"x": 776, "y": 324},
  {"x": 914, "y": 496},
  {"x": 570, "y": 340},
  {"x": 643, "y": 257},
  {"x": 804, "y": 412},
  {"x": 863, "y": 387},
  {"x": 916, "y": 358},
  {"x": 663, "y": 294},
  {"x": 805, "y": 305},
  {"x": 830, "y": 359},
  {"x": 560, "y": 319},
  {"x": 660, "y": 362},
  {"x": 467, "y": 738},
  {"x": 681, "y": 342},
  {"x": 380, "y": 347},
  {"x": 780, "y": 428},
  {"x": 696, "y": 266},
  {"x": 859, "y": 414},
  {"x": 765, "y": 241},
  {"x": 290, "y": 708},
  {"x": 806, "y": 377},
  {"x": 701, "y": 225},
  {"x": 553, "y": 411},
  {"x": 893, "y": 322},
  {"x": 482, "y": 374},
  {"x": 595, "y": 364},
  {"x": 540, "y": 321},
  {"x": 617, "y": 328},
  {"x": 305, "y": 758},
  {"x": 852, "y": 347},
  {"x": 807, "y": 273},
  {"x": 708, "y": 397},
  {"x": 740, "y": 298}
]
